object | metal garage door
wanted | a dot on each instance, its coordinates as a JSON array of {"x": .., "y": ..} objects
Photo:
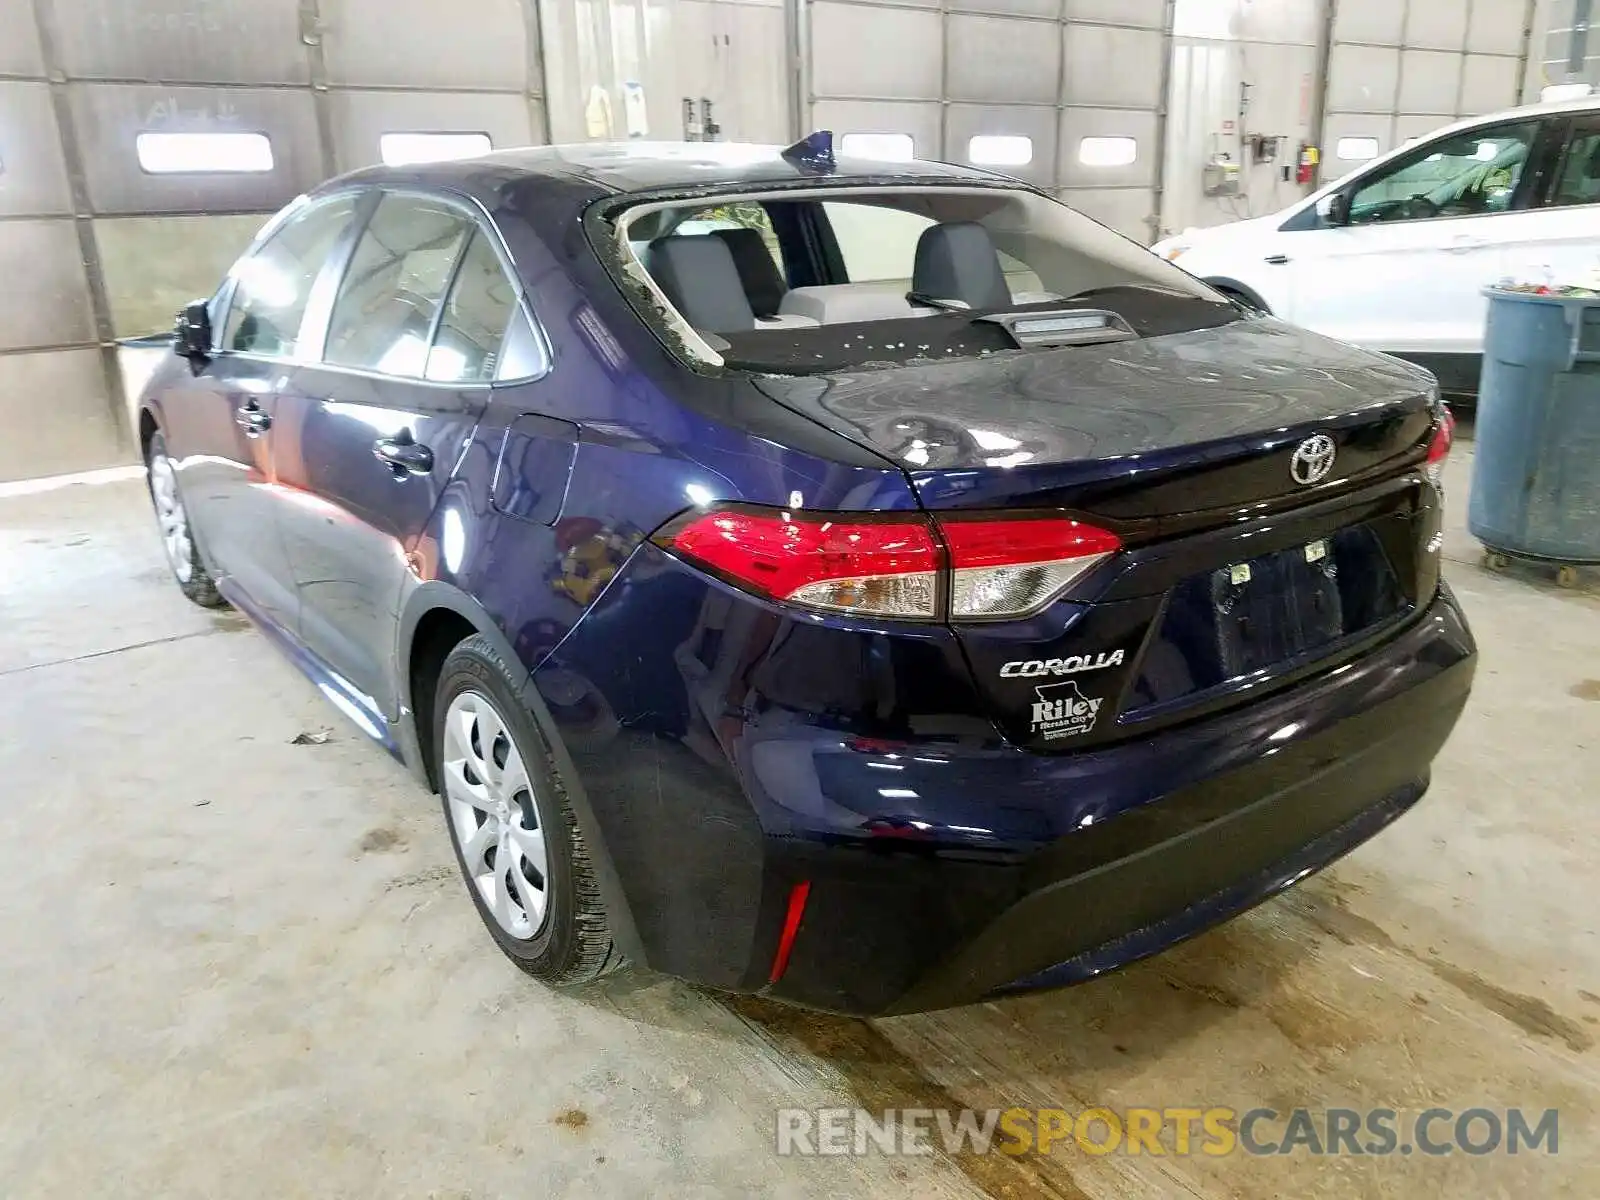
[
  {"x": 1400, "y": 68},
  {"x": 1566, "y": 46},
  {"x": 263, "y": 99},
  {"x": 1062, "y": 93}
]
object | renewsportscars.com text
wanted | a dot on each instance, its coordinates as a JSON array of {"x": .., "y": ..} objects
[{"x": 1214, "y": 1131}]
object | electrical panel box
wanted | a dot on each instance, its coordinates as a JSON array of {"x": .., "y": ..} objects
[{"x": 1221, "y": 177}]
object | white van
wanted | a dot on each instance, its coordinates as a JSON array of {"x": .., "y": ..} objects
[{"x": 1395, "y": 255}]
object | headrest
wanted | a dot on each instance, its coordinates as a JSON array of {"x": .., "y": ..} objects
[
  {"x": 698, "y": 275},
  {"x": 763, "y": 285},
  {"x": 957, "y": 261}
]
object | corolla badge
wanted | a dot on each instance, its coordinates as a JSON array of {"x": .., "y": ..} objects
[{"x": 1313, "y": 459}]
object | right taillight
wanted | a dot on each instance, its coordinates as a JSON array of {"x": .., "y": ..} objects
[
  {"x": 1444, "y": 432},
  {"x": 908, "y": 567},
  {"x": 1009, "y": 568}
]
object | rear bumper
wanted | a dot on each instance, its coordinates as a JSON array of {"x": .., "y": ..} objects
[{"x": 944, "y": 874}]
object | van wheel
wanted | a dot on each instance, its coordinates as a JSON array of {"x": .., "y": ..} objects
[{"x": 516, "y": 839}]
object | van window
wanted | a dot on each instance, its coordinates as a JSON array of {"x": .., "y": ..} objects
[
  {"x": 1462, "y": 176},
  {"x": 1579, "y": 180}
]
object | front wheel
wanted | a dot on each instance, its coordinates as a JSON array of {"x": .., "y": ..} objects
[
  {"x": 516, "y": 839},
  {"x": 183, "y": 556}
]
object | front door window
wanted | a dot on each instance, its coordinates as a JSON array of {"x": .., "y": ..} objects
[{"x": 1466, "y": 175}]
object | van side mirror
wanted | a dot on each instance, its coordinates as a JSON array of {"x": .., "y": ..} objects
[
  {"x": 192, "y": 334},
  {"x": 1335, "y": 208}
]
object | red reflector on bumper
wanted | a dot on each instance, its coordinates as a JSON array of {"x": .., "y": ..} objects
[{"x": 791, "y": 926}]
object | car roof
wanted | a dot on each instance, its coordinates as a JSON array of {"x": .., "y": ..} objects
[
  {"x": 639, "y": 166},
  {"x": 1548, "y": 108}
]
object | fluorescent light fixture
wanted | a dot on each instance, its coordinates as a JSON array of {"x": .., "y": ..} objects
[
  {"x": 210, "y": 153},
  {"x": 1000, "y": 150},
  {"x": 891, "y": 147},
  {"x": 1107, "y": 151},
  {"x": 1356, "y": 149},
  {"x": 403, "y": 149}
]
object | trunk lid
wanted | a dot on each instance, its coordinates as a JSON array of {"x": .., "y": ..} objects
[
  {"x": 1243, "y": 569},
  {"x": 1141, "y": 429}
]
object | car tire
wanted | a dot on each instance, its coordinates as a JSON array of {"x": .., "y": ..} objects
[
  {"x": 505, "y": 803},
  {"x": 177, "y": 538}
]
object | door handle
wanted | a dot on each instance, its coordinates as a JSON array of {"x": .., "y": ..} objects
[
  {"x": 403, "y": 455},
  {"x": 1277, "y": 260},
  {"x": 251, "y": 419},
  {"x": 1462, "y": 243}
]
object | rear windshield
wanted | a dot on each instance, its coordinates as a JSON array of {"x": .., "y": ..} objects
[{"x": 841, "y": 278}]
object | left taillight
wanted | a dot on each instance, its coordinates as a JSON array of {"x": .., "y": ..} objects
[
  {"x": 1444, "y": 432},
  {"x": 911, "y": 567}
]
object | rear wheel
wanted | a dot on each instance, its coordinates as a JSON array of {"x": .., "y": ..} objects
[
  {"x": 183, "y": 556},
  {"x": 517, "y": 842}
]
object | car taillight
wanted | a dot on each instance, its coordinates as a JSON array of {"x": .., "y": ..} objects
[
  {"x": 1009, "y": 568},
  {"x": 1439, "y": 448},
  {"x": 894, "y": 567},
  {"x": 842, "y": 564}
]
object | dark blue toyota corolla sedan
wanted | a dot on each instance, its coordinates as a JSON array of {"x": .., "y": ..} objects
[{"x": 875, "y": 585}]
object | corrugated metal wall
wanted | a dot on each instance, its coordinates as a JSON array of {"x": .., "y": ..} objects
[
  {"x": 1071, "y": 94},
  {"x": 109, "y": 249},
  {"x": 1274, "y": 47},
  {"x": 1054, "y": 72},
  {"x": 1565, "y": 46},
  {"x": 1399, "y": 68}
]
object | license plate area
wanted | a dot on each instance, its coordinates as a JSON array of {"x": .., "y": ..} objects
[{"x": 1248, "y": 620}]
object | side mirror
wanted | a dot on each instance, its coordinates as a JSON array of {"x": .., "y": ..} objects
[
  {"x": 1335, "y": 208},
  {"x": 192, "y": 334}
]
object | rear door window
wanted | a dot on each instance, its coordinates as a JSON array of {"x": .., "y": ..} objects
[
  {"x": 472, "y": 328},
  {"x": 1578, "y": 175},
  {"x": 272, "y": 285},
  {"x": 384, "y": 313}
]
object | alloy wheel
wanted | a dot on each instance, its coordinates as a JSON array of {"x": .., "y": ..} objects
[
  {"x": 172, "y": 517},
  {"x": 495, "y": 815}
]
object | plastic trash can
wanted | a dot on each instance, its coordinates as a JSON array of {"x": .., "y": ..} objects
[{"x": 1536, "y": 462}]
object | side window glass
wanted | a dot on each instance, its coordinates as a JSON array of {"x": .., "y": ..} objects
[
  {"x": 1579, "y": 181},
  {"x": 1469, "y": 174},
  {"x": 396, "y": 280},
  {"x": 524, "y": 355},
  {"x": 467, "y": 347},
  {"x": 876, "y": 243},
  {"x": 273, "y": 284}
]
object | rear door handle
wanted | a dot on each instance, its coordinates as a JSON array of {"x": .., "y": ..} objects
[
  {"x": 403, "y": 455},
  {"x": 1463, "y": 242},
  {"x": 1278, "y": 260},
  {"x": 251, "y": 419}
]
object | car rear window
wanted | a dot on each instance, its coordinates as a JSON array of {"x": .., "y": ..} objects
[{"x": 847, "y": 277}]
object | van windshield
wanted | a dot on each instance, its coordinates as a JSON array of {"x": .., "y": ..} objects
[{"x": 868, "y": 277}]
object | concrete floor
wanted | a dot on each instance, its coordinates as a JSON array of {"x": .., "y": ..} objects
[{"x": 234, "y": 966}]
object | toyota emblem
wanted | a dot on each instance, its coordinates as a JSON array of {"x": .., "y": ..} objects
[{"x": 1313, "y": 459}]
